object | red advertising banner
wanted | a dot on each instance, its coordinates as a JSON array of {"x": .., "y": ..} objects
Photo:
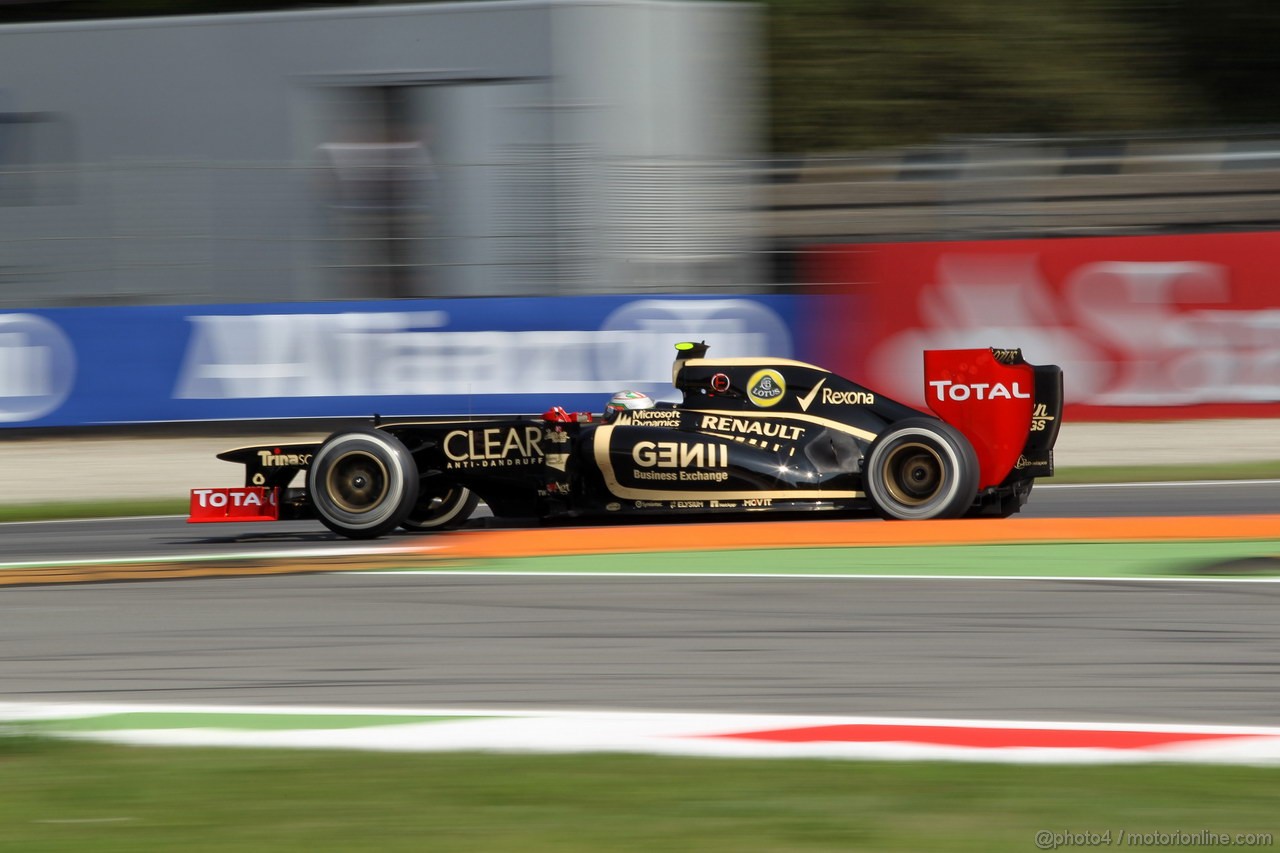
[{"x": 1163, "y": 327}]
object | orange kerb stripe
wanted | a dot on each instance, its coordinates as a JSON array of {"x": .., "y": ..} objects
[{"x": 475, "y": 544}]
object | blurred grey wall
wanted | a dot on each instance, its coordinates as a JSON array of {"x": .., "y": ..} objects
[{"x": 496, "y": 148}]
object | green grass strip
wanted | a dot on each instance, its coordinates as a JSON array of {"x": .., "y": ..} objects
[
  {"x": 232, "y": 721},
  {"x": 58, "y": 797},
  {"x": 91, "y": 509},
  {"x": 1052, "y": 559}
]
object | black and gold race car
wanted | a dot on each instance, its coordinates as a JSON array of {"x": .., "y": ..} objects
[{"x": 751, "y": 435}]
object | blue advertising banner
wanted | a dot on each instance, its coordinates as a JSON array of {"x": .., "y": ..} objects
[{"x": 89, "y": 366}]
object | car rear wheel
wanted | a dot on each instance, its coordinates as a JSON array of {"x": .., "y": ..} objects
[
  {"x": 362, "y": 483},
  {"x": 441, "y": 507},
  {"x": 921, "y": 468}
]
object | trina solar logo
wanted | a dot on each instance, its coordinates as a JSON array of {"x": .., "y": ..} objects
[{"x": 276, "y": 459}]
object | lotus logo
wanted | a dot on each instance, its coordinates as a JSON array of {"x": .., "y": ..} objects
[
  {"x": 37, "y": 367},
  {"x": 766, "y": 388}
]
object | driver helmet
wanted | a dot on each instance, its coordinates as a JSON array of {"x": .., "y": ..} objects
[{"x": 627, "y": 401}]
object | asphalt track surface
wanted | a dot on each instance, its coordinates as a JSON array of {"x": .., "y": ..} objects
[
  {"x": 152, "y": 537},
  {"x": 1149, "y": 651},
  {"x": 1042, "y": 650}
]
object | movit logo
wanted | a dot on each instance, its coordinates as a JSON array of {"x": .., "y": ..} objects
[
  {"x": 960, "y": 392},
  {"x": 37, "y": 367},
  {"x": 494, "y": 447},
  {"x": 766, "y": 388}
]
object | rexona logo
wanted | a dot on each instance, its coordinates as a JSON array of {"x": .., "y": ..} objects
[
  {"x": 832, "y": 397},
  {"x": 37, "y": 367},
  {"x": 946, "y": 389},
  {"x": 494, "y": 447},
  {"x": 848, "y": 398},
  {"x": 766, "y": 388}
]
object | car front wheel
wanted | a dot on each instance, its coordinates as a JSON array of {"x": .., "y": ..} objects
[{"x": 362, "y": 483}]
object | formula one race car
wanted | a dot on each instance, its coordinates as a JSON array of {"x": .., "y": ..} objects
[{"x": 751, "y": 435}]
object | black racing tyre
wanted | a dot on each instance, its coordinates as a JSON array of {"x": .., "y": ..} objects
[
  {"x": 440, "y": 507},
  {"x": 363, "y": 483},
  {"x": 921, "y": 468}
]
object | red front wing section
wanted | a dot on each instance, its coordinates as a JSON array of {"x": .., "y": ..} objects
[
  {"x": 242, "y": 503},
  {"x": 991, "y": 401}
]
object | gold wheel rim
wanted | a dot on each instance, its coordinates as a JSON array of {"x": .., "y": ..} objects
[
  {"x": 357, "y": 481},
  {"x": 913, "y": 473}
]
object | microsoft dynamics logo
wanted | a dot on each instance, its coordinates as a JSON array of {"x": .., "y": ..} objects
[{"x": 37, "y": 367}]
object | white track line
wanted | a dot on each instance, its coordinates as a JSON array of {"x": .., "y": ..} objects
[
  {"x": 705, "y": 734},
  {"x": 22, "y": 710}
]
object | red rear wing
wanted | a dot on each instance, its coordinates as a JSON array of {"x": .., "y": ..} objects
[
  {"x": 243, "y": 503},
  {"x": 1008, "y": 409}
]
